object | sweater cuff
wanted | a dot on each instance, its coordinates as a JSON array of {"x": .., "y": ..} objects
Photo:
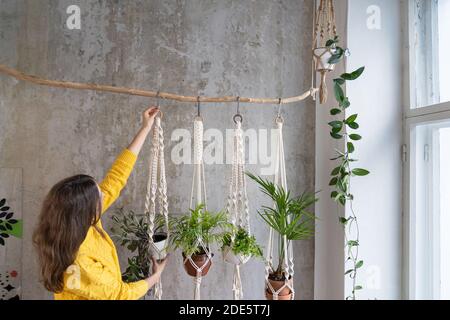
[
  {"x": 140, "y": 288},
  {"x": 128, "y": 157}
]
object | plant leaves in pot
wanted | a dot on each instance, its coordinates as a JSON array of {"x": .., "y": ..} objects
[
  {"x": 194, "y": 234},
  {"x": 291, "y": 220},
  {"x": 238, "y": 246}
]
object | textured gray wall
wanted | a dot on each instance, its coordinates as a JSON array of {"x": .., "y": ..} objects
[{"x": 250, "y": 48}]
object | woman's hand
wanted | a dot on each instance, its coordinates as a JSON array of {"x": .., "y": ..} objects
[
  {"x": 157, "y": 269},
  {"x": 148, "y": 117},
  {"x": 158, "y": 265}
]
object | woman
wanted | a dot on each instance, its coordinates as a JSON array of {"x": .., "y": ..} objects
[{"x": 78, "y": 260}]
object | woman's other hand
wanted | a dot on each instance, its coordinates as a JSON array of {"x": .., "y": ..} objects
[{"x": 148, "y": 117}]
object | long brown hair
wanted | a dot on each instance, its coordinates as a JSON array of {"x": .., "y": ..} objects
[{"x": 70, "y": 208}]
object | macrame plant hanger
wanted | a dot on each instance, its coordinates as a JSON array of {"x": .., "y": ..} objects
[
  {"x": 237, "y": 205},
  {"x": 156, "y": 199},
  {"x": 324, "y": 29},
  {"x": 280, "y": 180},
  {"x": 198, "y": 196}
]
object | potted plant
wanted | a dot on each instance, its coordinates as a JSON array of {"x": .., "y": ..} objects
[
  {"x": 291, "y": 220},
  {"x": 238, "y": 246},
  {"x": 187, "y": 230},
  {"x": 131, "y": 230}
]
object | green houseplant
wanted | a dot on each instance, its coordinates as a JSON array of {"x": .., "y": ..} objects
[
  {"x": 186, "y": 231},
  {"x": 131, "y": 230},
  {"x": 238, "y": 246},
  {"x": 290, "y": 218}
]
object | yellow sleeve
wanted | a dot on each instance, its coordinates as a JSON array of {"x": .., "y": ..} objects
[
  {"x": 117, "y": 177},
  {"x": 94, "y": 281}
]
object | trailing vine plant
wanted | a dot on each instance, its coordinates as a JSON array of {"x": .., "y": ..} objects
[{"x": 344, "y": 127}]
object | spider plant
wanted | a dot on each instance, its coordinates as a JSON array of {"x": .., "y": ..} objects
[
  {"x": 289, "y": 217},
  {"x": 201, "y": 224}
]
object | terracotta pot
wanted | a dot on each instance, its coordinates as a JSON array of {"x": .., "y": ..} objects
[
  {"x": 269, "y": 296},
  {"x": 229, "y": 256},
  {"x": 199, "y": 260},
  {"x": 158, "y": 249},
  {"x": 322, "y": 56},
  {"x": 276, "y": 285}
]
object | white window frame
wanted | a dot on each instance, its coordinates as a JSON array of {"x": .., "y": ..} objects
[{"x": 437, "y": 115}]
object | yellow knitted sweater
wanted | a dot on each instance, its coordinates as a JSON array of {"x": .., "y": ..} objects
[{"x": 95, "y": 274}]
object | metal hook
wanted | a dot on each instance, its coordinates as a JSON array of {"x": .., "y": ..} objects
[
  {"x": 279, "y": 118},
  {"x": 198, "y": 106},
  {"x": 157, "y": 99},
  {"x": 238, "y": 113}
]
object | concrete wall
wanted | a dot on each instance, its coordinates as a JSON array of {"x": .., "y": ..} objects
[{"x": 251, "y": 48}]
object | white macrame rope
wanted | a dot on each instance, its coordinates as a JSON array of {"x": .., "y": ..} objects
[
  {"x": 198, "y": 196},
  {"x": 237, "y": 203},
  {"x": 157, "y": 188},
  {"x": 288, "y": 263}
]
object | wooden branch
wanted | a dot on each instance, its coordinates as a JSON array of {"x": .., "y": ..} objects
[{"x": 145, "y": 93}]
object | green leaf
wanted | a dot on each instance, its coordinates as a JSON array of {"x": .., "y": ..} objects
[
  {"x": 330, "y": 42},
  {"x": 335, "y": 171},
  {"x": 358, "y": 288},
  {"x": 353, "y": 75},
  {"x": 348, "y": 271},
  {"x": 334, "y": 194},
  {"x": 360, "y": 172},
  {"x": 353, "y": 125},
  {"x": 346, "y": 103},
  {"x": 352, "y": 243},
  {"x": 359, "y": 264},
  {"x": 339, "y": 93},
  {"x": 351, "y": 119},
  {"x": 350, "y": 147},
  {"x": 336, "y": 124},
  {"x": 343, "y": 220},
  {"x": 336, "y": 136},
  {"x": 355, "y": 137},
  {"x": 339, "y": 81},
  {"x": 333, "y": 181},
  {"x": 335, "y": 111}
]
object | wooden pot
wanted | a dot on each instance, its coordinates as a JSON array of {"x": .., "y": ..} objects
[{"x": 199, "y": 260}]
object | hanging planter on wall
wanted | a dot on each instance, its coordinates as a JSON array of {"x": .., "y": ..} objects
[
  {"x": 288, "y": 220},
  {"x": 324, "y": 49},
  {"x": 147, "y": 233},
  {"x": 238, "y": 245},
  {"x": 196, "y": 232}
]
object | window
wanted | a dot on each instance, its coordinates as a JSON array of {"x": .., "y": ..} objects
[
  {"x": 430, "y": 48},
  {"x": 427, "y": 151}
]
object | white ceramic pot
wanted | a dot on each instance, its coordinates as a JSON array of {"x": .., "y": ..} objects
[
  {"x": 322, "y": 56},
  {"x": 230, "y": 257},
  {"x": 158, "y": 248}
]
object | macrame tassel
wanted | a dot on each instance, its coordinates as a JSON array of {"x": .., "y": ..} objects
[
  {"x": 158, "y": 290},
  {"x": 198, "y": 283},
  {"x": 237, "y": 284},
  {"x": 323, "y": 91}
]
